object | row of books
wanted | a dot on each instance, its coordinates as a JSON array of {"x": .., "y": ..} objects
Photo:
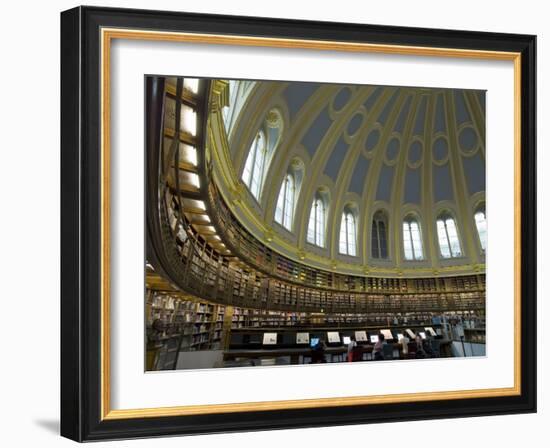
[{"x": 200, "y": 324}]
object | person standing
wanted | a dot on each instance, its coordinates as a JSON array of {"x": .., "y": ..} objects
[
  {"x": 419, "y": 347},
  {"x": 405, "y": 345},
  {"x": 377, "y": 351},
  {"x": 318, "y": 352},
  {"x": 351, "y": 347}
]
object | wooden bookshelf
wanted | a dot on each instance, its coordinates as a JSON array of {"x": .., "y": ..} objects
[{"x": 199, "y": 324}]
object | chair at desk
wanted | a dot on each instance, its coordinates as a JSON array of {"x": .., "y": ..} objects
[
  {"x": 387, "y": 351},
  {"x": 436, "y": 348},
  {"x": 370, "y": 353},
  {"x": 411, "y": 349},
  {"x": 358, "y": 353},
  {"x": 364, "y": 352},
  {"x": 427, "y": 347}
]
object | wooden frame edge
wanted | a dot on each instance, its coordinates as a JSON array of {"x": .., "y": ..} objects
[{"x": 107, "y": 35}]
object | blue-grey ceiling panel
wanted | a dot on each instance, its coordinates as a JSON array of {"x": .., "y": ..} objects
[
  {"x": 385, "y": 181},
  {"x": 342, "y": 98},
  {"x": 462, "y": 114},
  {"x": 481, "y": 94},
  {"x": 383, "y": 117},
  {"x": 403, "y": 115},
  {"x": 392, "y": 151},
  {"x": 371, "y": 100},
  {"x": 296, "y": 95},
  {"x": 442, "y": 185},
  {"x": 355, "y": 123},
  {"x": 412, "y": 186},
  {"x": 359, "y": 176},
  {"x": 420, "y": 118},
  {"x": 314, "y": 135},
  {"x": 439, "y": 119},
  {"x": 332, "y": 168},
  {"x": 474, "y": 170}
]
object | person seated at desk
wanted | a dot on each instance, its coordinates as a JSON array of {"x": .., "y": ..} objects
[
  {"x": 404, "y": 344},
  {"x": 420, "y": 347},
  {"x": 318, "y": 352},
  {"x": 351, "y": 347},
  {"x": 377, "y": 351},
  {"x": 427, "y": 345}
]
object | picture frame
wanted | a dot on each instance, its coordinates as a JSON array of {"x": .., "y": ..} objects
[{"x": 86, "y": 37}]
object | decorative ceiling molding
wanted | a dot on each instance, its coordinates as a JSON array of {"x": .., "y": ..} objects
[{"x": 408, "y": 126}]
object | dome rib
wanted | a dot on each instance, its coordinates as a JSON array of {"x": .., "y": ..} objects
[{"x": 417, "y": 162}]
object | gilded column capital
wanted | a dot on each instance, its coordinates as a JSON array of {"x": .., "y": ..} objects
[{"x": 220, "y": 95}]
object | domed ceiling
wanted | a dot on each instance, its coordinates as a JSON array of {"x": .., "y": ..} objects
[{"x": 399, "y": 151}]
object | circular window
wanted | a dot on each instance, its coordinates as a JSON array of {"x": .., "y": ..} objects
[
  {"x": 372, "y": 139},
  {"x": 392, "y": 151},
  {"x": 415, "y": 152},
  {"x": 467, "y": 138},
  {"x": 355, "y": 124},
  {"x": 440, "y": 149}
]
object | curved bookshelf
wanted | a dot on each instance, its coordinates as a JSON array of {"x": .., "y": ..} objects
[{"x": 197, "y": 245}]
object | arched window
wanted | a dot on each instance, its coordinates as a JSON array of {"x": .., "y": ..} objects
[
  {"x": 254, "y": 169},
  {"x": 348, "y": 233},
  {"x": 481, "y": 225},
  {"x": 317, "y": 222},
  {"x": 412, "y": 240},
  {"x": 449, "y": 244},
  {"x": 238, "y": 95},
  {"x": 284, "y": 213},
  {"x": 379, "y": 241}
]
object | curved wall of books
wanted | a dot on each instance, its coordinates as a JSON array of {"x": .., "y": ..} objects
[{"x": 204, "y": 249}]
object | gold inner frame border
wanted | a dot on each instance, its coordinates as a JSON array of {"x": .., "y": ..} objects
[{"x": 107, "y": 35}]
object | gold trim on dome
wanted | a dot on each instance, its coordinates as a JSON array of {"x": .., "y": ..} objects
[
  {"x": 107, "y": 35},
  {"x": 234, "y": 192}
]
